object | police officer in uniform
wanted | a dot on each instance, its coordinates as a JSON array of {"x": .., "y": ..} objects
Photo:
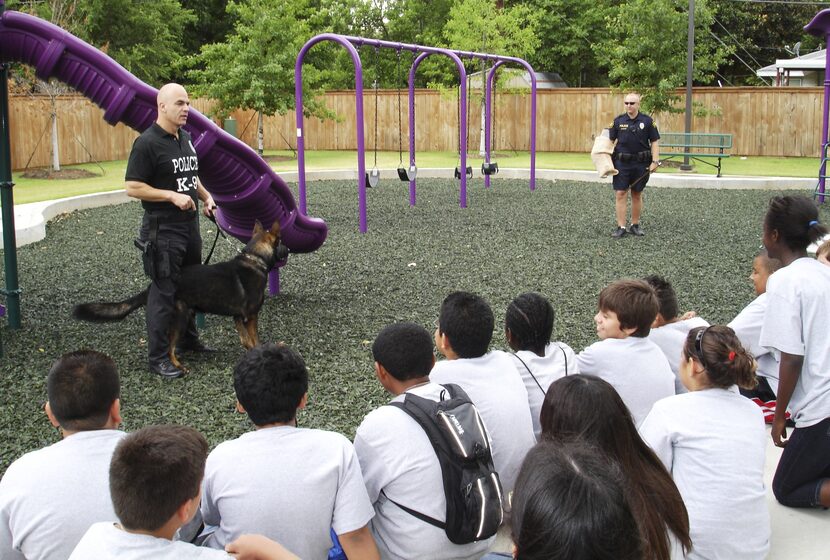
[
  {"x": 636, "y": 155},
  {"x": 162, "y": 172}
]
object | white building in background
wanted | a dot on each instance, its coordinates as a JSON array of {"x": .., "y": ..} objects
[{"x": 801, "y": 71}]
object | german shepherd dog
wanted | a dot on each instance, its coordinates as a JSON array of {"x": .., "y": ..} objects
[{"x": 235, "y": 288}]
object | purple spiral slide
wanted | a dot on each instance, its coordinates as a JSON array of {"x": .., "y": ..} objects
[{"x": 243, "y": 185}]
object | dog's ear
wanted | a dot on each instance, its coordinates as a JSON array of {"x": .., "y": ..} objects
[
  {"x": 257, "y": 228},
  {"x": 275, "y": 227}
]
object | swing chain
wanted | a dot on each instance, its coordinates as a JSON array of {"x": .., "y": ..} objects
[
  {"x": 377, "y": 50},
  {"x": 400, "y": 118}
]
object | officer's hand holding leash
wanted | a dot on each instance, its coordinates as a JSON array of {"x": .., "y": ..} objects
[
  {"x": 208, "y": 207},
  {"x": 654, "y": 165}
]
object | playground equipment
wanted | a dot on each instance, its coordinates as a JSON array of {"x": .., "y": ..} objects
[
  {"x": 421, "y": 52},
  {"x": 243, "y": 185},
  {"x": 820, "y": 27}
]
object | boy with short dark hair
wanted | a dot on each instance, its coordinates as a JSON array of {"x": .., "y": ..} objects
[
  {"x": 397, "y": 459},
  {"x": 747, "y": 326},
  {"x": 463, "y": 335},
  {"x": 154, "y": 480},
  {"x": 624, "y": 357},
  {"x": 50, "y": 497},
  {"x": 290, "y": 484},
  {"x": 669, "y": 330}
]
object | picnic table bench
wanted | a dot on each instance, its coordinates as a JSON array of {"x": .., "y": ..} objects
[{"x": 695, "y": 145}]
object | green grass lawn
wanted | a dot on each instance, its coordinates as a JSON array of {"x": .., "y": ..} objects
[
  {"x": 111, "y": 177},
  {"x": 334, "y": 301}
]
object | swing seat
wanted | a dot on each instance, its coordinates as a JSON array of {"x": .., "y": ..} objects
[
  {"x": 489, "y": 168},
  {"x": 373, "y": 178},
  {"x": 469, "y": 172},
  {"x": 407, "y": 174}
]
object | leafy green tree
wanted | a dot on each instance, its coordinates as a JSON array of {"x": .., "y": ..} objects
[
  {"x": 759, "y": 33},
  {"x": 144, "y": 37},
  {"x": 567, "y": 34},
  {"x": 254, "y": 67},
  {"x": 482, "y": 26},
  {"x": 646, "y": 50}
]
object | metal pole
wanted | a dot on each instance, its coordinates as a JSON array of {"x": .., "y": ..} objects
[
  {"x": 12, "y": 291},
  {"x": 690, "y": 55}
]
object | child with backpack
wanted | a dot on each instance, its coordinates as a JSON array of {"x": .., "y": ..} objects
[
  {"x": 403, "y": 473},
  {"x": 528, "y": 327},
  {"x": 463, "y": 335},
  {"x": 796, "y": 325}
]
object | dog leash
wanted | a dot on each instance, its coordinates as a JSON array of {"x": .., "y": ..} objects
[
  {"x": 219, "y": 232},
  {"x": 659, "y": 164}
]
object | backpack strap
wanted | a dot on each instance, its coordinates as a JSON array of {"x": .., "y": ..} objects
[{"x": 422, "y": 417}]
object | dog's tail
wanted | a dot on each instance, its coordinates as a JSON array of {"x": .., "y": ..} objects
[{"x": 105, "y": 312}]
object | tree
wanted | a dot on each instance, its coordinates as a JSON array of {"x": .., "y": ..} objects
[
  {"x": 480, "y": 26},
  {"x": 646, "y": 50},
  {"x": 254, "y": 67},
  {"x": 144, "y": 37},
  {"x": 760, "y": 33},
  {"x": 567, "y": 34}
]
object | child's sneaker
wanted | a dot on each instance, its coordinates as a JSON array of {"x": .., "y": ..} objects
[
  {"x": 619, "y": 232},
  {"x": 635, "y": 229}
]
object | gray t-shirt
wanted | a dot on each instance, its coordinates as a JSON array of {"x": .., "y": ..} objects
[
  {"x": 50, "y": 497},
  {"x": 400, "y": 464},
  {"x": 290, "y": 484},
  {"x": 635, "y": 366},
  {"x": 106, "y": 541},
  {"x": 671, "y": 338}
]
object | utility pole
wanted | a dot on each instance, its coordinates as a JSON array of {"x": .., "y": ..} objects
[{"x": 690, "y": 61}]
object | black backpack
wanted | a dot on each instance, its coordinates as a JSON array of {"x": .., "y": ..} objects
[{"x": 471, "y": 484}]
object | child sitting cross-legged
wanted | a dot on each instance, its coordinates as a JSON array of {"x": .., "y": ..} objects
[
  {"x": 400, "y": 466},
  {"x": 154, "y": 479},
  {"x": 528, "y": 327},
  {"x": 712, "y": 440},
  {"x": 669, "y": 329},
  {"x": 50, "y": 497},
  {"x": 288, "y": 483},
  {"x": 747, "y": 326},
  {"x": 624, "y": 357},
  {"x": 465, "y": 329}
]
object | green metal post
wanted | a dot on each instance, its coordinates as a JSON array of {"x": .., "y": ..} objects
[{"x": 12, "y": 291}]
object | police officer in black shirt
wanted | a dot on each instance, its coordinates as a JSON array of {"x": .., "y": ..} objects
[
  {"x": 635, "y": 156},
  {"x": 162, "y": 172}
]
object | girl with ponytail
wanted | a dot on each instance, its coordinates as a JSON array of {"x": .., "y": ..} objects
[
  {"x": 796, "y": 324},
  {"x": 712, "y": 440}
]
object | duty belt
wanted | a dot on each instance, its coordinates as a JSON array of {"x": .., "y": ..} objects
[
  {"x": 171, "y": 217},
  {"x": 641, "y": 157}
]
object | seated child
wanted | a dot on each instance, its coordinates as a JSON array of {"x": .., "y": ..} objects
[
  {"x": 463, "y": 335},
  {"x": 747, "y": 327},
  {"x": 397, "y": 459},
  {"x": 823, "y": 253},
  {"x": 624, "y": 357},
  {"x": 669, "y": 330},
  {"x": 712, "y": 440},
  {"x": 569, "y": 504},
  {"x": 154, "y": 481},
  {"x": 50, "y": 497},
  {"x": 528, "y": 326},
  {"x": 290, "y": 484},
  {"x": 585, "y": 408}
]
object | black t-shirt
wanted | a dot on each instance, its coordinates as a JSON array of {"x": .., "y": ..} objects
[
  {"x": 633, "y": 135},
  {"x": 164, "y": 162}
]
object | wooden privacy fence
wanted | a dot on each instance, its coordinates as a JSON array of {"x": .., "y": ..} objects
[{"x": 763, "y": 121}]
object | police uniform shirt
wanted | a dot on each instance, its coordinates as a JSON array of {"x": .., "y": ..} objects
[
  {"x": 633, "y": 135},
  {"x": 164, "y": 162}
]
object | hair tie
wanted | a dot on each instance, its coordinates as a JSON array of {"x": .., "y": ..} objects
[
  {"x": 731, "y": 355},
  {"x": 812, "y": 223}
]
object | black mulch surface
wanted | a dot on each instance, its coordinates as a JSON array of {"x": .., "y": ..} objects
[{"x": 555, "y": 240}]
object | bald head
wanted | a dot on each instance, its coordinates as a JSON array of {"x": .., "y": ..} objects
[{"x": 173, "y": 107}]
